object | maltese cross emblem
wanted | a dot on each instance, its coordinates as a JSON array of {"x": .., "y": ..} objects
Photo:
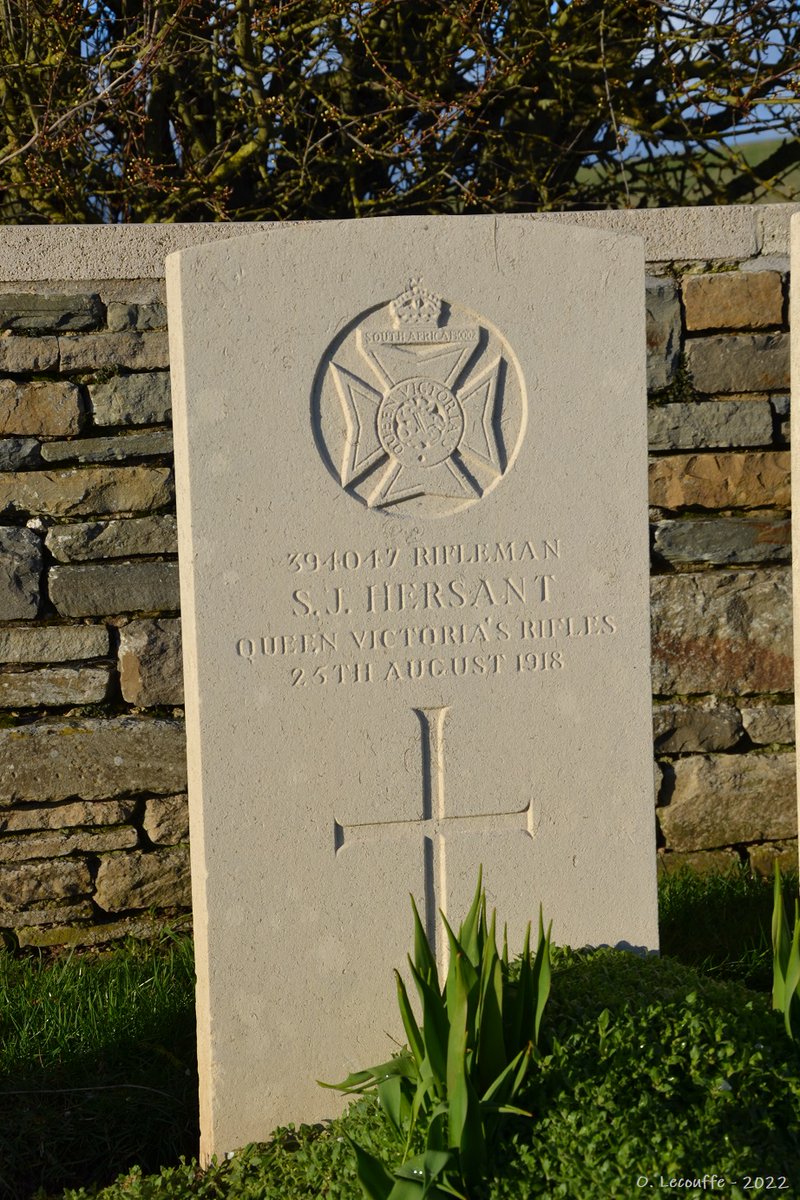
[{"x": 420, "y": 406}]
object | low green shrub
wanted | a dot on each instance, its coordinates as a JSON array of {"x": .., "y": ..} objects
[
  {"x": 648, "y": 1069},
  {"x": 655, "y": 1072}
]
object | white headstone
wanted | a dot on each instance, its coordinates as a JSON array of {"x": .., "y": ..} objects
[{"x": 412, "y": 475}]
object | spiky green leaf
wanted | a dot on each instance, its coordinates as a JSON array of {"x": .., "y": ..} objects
[
  {"x": 395, "y": 1103},
  {"x": 507, "y": 1084},
  {"x": 410, "y": 1025},
  {"x": 424, "y": 959},
  {"x": 468, "y": 970},
  {"x": 468, "y": 934},
  {"x": 376, "y": 1182},
  {"x": 781, "y": 940},
  {"x": 435, "y": 1028},
  {"x": 457, "y": 1094},
  {"x": 792, "y": 979},
  {"x": 428, "y": 1164},
  {"x": 465, "y": 1128},
  {"x": 359, "y": 1081},
  {"x": 521, "y": 1023},
  {"x": 540, "y": 979},
  {"x": 491, "y": 1056}
]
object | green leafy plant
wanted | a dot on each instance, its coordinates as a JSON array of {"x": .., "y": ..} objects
[
  {"x": 465, "y": 1064},
  {"x": 785, "y": 956}
]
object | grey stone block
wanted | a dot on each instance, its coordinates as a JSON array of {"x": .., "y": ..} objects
[
  {"x": 26, "y": 884},
  {"x": 166, "y": 819},
  {"x": 18, "y": 355},
  {"x": 722, "y": 631},
  {"x": 146, "y": 927},
  {"x": 768, "y": 262},
  {"x": 131, "y": 291},
  {"x": 681, "y": 728},
  {"x": 763, "y": 858},
  {"x": 123, "y": 316},
  {"x": 773, "y": 227},
  {"x": 739, "y": 362},
  {"x": 34, "y": 312},
  {"x": 101, "y": 589},
  {"x": 132, "y": 400},
  {"x": 150, "y": 664},
  {"x": 17, "y": 452},
  {"x": 144, "y": 444},
  {"x": 53, "y": 643},
  {"x": 770, "y": 724},
  {"x": 733, "y": 479},
  {"x": 55, "y": 843},
  {"x": 66, "y": 816},
  {"x": 21, "y": 565},
  {"x": 47, "y": 914},
  {"x": 726, "y": 799},
  {"x": 54, "y": 685},
  {"x": 96, "y": 759},
  {"x": 725, "y": 540},
  {"x": 733, "y": 300},
  {"x": 663, "y": 332},
  {"x": 125, "y": 538},
  {"x": 144, "y": 879},
  {"x": 101, "y": 351},
  {"x": 137, "y": 252},
  {"x": 716, "y": 423},
  {"x": 42, "y": 408},
  {"x": 84, "y": 491}
]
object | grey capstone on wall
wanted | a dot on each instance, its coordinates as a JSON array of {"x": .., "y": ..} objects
[{"x": 93, "y": 814}]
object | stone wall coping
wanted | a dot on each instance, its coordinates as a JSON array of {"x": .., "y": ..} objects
[{"x": 71, "y": 253}]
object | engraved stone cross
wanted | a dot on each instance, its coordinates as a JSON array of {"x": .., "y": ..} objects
[{"x": 433, "y": 825}]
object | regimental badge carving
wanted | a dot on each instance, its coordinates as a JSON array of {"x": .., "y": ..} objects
[{"x": 419, "y": 406}]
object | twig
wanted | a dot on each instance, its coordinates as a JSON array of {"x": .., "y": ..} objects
[
  {"x": 614, "y": 125},
  {"x": 114, "y": 85}
]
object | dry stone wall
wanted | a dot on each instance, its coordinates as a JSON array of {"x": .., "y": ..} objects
[
  {"x": 721, "y": 587},
  {"x": 93, "y": 815}
]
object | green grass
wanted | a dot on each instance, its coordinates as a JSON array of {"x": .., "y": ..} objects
[
  {"x": 97, "y": 1072},
  {"x": 97, "y": 1065},
  {"x": 721, "y": 923}
]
